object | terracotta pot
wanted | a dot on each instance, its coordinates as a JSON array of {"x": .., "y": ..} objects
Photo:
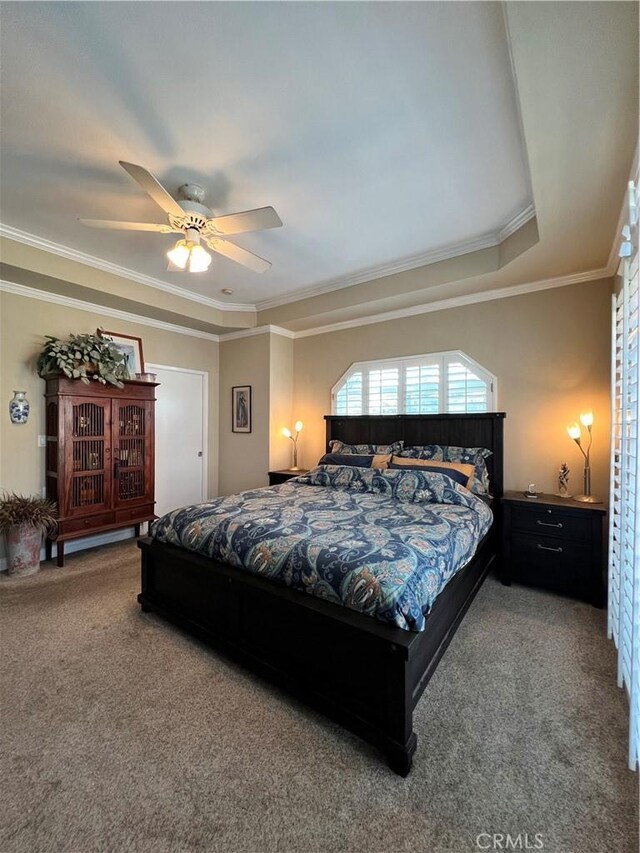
[{"x": 23, "y": 550}]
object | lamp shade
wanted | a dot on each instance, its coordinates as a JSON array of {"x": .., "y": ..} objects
[
  {"x": 586, "y": 418},
  {"x": 298, "y": 426},
  {"x": 286, "y": 432},
  {"x": 574, "y": 431},
  {"x": 179, "y": 255}
]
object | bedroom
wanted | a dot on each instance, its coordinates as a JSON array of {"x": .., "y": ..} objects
[{"x": 440, "y": 191}]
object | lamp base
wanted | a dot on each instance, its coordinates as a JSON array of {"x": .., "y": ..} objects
[{"x": 587, "y": 499}]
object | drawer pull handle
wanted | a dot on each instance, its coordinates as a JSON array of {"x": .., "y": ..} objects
[
  {"x": 546, "y": 548},
  {"x": 548, "y": 523}
]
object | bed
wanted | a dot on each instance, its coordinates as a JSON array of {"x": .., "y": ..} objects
[{"x": 366, "y": 674}]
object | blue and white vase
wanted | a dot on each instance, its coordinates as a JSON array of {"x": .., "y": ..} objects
[{"x": 19, "y": 408}]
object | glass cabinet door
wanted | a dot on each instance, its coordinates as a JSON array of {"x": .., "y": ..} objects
[
  {"x": 133, "y": 452},
  {"x": 88, "y": 454}
]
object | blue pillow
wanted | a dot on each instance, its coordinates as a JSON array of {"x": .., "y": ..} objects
[
  {"x": 355, "y": 460},
  {"x": 456, "y": 476}
]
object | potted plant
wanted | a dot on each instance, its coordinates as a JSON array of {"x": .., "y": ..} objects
[
  {"x": 83, "y": 357},
  {"x": 23, "y": 520}
]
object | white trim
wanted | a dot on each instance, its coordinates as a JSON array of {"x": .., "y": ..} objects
[
  {"x": 433, "y": 256},
  {"x": 81, "y": 305},
  {"x": 205, "y": 418},
  {"x": 400, "y": 313},
  {"x": 457, "y": 302},
  {"x": 115, "y": 269},
  {"x": 516, "y": 223},
  {"x": 73, "y": 545},
  {"x": 257, "y": 330}
]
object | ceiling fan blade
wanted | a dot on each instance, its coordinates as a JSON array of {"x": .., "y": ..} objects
[
  {"x": 241, "y": 256},
  {"x": 128, "y": 226},
  {"x": 153, "y": 187},
  {"x": 248, "y": 220}
]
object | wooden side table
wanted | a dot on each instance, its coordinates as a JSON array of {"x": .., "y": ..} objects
[
  {"x": 277, "y": 477},
  {"x": 555, "y": 543}
]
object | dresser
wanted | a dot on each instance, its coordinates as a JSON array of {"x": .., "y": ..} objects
[
  {"x": 554, "y": 543},
  {"x": 99, "y": 457}
]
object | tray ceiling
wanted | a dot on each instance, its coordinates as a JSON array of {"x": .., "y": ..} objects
[{"x": 380, "y": 132}]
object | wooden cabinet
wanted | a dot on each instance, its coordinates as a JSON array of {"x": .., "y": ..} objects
[
  {"x": 554, "y": 543},
  {"x": 99, "y": 456}
]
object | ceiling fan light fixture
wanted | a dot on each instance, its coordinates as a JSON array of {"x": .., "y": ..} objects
[
  {"x": 179, "y": 255},
  {"x": 189, "y": 255},
  {"x": 199, "y": 259}
]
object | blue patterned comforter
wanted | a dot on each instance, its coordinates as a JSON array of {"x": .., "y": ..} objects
[{"x": 383, "y": 542}]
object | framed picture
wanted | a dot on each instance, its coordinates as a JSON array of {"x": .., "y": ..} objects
[
  {"x": 131, "y": 349},
  {"x": 241, "y": 408}
]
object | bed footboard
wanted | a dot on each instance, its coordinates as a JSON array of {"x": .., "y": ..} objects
[
  {"x": 359, "y": 678},
  {"x": 363, "y": 674}
]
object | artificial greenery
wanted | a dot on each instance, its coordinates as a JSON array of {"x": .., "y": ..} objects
[
  {"x": 83, "y": 357},
  {"x": 31, "y": 510}
]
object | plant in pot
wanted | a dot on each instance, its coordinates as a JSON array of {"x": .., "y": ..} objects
[
  {"x": 23, "y": 520},
  {"x": 83, "y": 357}
]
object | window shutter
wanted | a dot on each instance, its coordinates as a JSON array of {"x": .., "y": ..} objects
[
  {"x": 624, "y": 516},
  {"x": 425, "y": 384},
  {"x": 466, "y": 392},
  {"x": 422, "y": 389},
  {"x": 383, "y": 391}
]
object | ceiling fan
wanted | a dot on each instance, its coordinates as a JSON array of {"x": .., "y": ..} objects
[{"x": 189, "y": 216}]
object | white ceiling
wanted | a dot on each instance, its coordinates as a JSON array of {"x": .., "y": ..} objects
[{"x": 378, "y": 131}]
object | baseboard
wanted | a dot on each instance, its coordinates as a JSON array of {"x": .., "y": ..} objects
[{"x": 73, "y": 545}]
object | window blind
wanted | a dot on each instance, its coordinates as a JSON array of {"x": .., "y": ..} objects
[
  {"x": 426, "y": 384},
  {"x": 624, "y": 517}
]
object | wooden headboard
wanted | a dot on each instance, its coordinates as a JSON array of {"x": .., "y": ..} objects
[{"x": 481, "y": 430}]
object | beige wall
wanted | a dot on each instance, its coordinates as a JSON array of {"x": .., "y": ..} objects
[
  {"x": 244, "y": 457},
  {"x": 23, "y": 324},
  {"x": 264, "y": 361},
  {"x": 281, "y": 401},
  {"x": 550, "y": 351}
]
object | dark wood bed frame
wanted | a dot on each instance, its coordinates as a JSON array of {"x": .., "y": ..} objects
[{"x": 364, "y": 674}]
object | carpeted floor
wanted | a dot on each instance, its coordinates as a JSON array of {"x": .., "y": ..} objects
[{"x": 122, "y": 734}]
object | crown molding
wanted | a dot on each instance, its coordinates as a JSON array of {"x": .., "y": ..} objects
[
  {"x": 458, "y": 301},
  {"x": 81, "y": 305},
  {"x": 258, "y": 330},
  {"x": 516, "y": 223},
  {"x": 115, "y": 269},
  {"x": 433, "y": 256}
]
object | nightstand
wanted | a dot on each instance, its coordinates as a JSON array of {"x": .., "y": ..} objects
[
  {"x": 555, "y": 543},
  {"x": 277, "y": 477}
]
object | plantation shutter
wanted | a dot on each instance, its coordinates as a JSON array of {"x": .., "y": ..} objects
[
  {"x": 426, "y": 384},
  {"x": 624, "y": 518}
]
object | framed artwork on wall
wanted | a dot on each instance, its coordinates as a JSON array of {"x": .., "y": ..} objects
[
  {"x": 131, "y": 349},
  {"x": 241, "y": 408}
]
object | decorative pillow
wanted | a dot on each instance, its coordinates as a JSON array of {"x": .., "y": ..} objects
[
  {"x": 458, "y": 471},
  {"x": 356, "y": 460},
  {"x": 365, "y": 449},
  {"x": 468, "y": 455}
]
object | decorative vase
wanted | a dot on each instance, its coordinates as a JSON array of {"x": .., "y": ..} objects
[
  {"x": 23, "y": 550},
  {"x": 19, "y": 408}
]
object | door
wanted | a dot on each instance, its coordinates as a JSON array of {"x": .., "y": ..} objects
[
  {"x": 87, "y": 427},
  {"x": 133, "y": 462},
  {"x": 181, "y": 437}
]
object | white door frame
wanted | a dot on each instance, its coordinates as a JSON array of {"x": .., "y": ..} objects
[{"x": 205, "y": 416}]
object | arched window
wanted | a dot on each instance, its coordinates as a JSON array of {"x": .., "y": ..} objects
[{"x": 422, "y": 384}]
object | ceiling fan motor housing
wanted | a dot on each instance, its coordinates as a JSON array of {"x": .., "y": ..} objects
[{"x": 195, "y": 215}]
